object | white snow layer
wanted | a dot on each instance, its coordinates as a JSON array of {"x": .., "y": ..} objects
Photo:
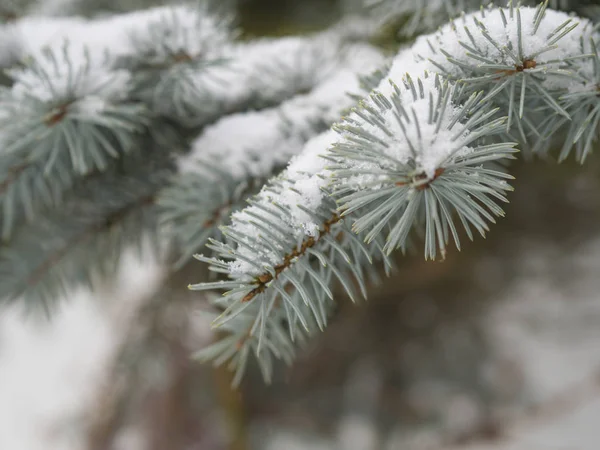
[
  {"x": 425, "y": 54},
  {"x": 434, "y": 148},
  {"x": 267, "y": 69},
  {"x": 119, "y": 35},
  {"x": 265, "y": 66},
  {"x": 253, "y": 143},
  {"x": 304, "y": 180},
  {"x": 63, "y": 82}
]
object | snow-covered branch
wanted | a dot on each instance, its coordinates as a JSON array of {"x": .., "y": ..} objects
[
  {"x": 231, "y": 159},
  {"x": 423, "y": 153}
]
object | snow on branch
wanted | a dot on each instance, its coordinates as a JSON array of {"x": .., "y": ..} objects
[
  {"x": 184, "y": 61},
  {"x": 133, "y": 34},
  {"x": 421, "y": 154},
  {"x": 414, "y": 159},
  {"x": 58, "y": 122},
  {"x": 233, "y": 158},
  {"x": 523, "y": 58},
  {"x": 277, "y": 265}
]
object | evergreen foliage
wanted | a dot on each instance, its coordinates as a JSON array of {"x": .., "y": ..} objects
[
  {"x": 291, "y": 166},
  {"x": 423, "y": 157}
]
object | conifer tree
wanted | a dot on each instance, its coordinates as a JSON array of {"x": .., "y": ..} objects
[{"x": 294, "y": 167}]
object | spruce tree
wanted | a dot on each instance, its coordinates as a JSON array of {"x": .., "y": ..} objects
[{"x": 294, "y": 168}]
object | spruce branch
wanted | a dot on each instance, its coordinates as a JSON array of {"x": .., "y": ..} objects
[
  {"x": 414, "y": 159},
  {"x": 424, "y": 152},
  {"x": 583, "y": 105},
  {"x": 60, "y": 121},
  {"x": 170, "y": 54},
  {"x": 232, "y": 159},
  {"x": 104, "y": 215},
  {"x": 272, "y": 258},
  {"x": 85, "y": 156},
  {"x": 288, "y": 302},
  {"x": 524, "y": 58}
]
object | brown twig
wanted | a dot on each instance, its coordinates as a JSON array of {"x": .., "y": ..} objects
[
  {"x": 527, "y": 64},
  {"x": 264, "y": 279},
  {"x": 438, "y": 173}
]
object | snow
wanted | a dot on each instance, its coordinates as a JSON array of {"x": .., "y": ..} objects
[
  {"x": 58, "y": 79},
  {"x": 434, "y": 149},
  {"x": 424, "y": 54},
  {"x": 254, "y": 143},
  {"x": 302, "y": 185},
  {"x": 303, "y": 182},
  {"x": 236, "y": 142},
  {"x": 29, "y": 35},
  {"x": 133, "y": 34},
  {"x": 267, "y": 69}
]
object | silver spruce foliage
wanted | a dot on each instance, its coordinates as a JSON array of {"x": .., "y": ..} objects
[
  {"x": 108, "y": 142},
  {"x": 424, "y": 156},
  {"x": 94, "y": 115}
]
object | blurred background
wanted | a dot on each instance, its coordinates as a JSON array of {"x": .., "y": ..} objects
[{"x": 497, "y": 348}]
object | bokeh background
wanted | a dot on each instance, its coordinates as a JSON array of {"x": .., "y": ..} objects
[{"x": 497, "y": 347}]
